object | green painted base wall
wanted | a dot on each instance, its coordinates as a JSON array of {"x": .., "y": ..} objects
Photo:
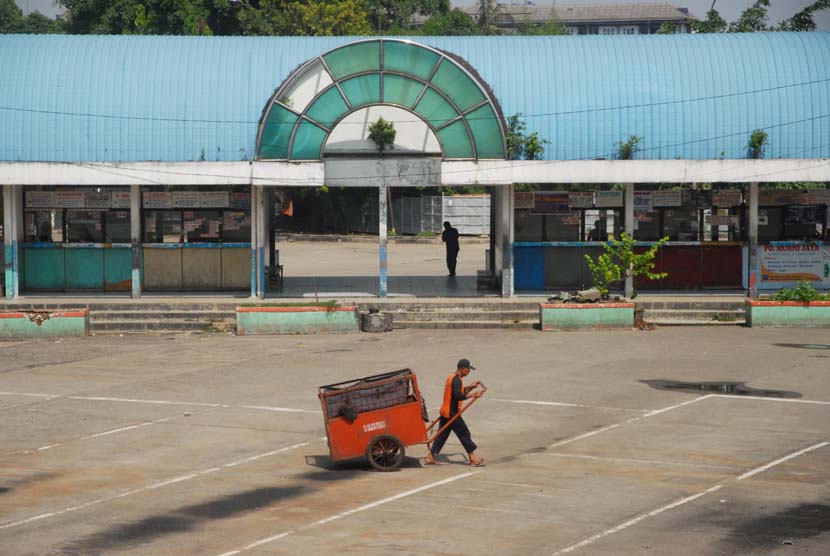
[
  {"x": 554, "y": 319},
  {"x": 311, "y": 322},
  {"x": 806, "y": 317},
  {"x": 22, "y": 328}
]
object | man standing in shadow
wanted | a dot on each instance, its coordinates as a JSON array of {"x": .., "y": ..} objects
[{"x": 450, "y": 237}]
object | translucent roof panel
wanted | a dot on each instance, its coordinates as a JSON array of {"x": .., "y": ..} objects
[
  {"x": 435, "y": 108},
  {"x": 276, "y": 133},
  {"x": 456, "y": 141},
  {"x": 462, "y": 90},
  {"x": 328, "y": 108},
  {"x": 485, "y": 129},
  {"x": 400, "y": 90},
  {"x": 357, "y": 58},
  {"x": 408, "y": 58},
  {"x": 313, "y": 80},
  {"x": 307, "y": 142},
  {"x": 362, "y": 90}
]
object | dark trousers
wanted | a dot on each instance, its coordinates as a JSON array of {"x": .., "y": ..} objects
[
  {"x": 452, "y": 258},
  {"x": 459, "y": 427}
]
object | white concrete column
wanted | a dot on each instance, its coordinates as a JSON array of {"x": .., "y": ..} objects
[
  {"x": 506, "y": 236},
  {"x": 382, "y": 210},
  {"x": 135, "y": 239},
  {"x": 629, "y": 229},
  {"x": 10, "y": 242},
  {"x": 261, "y": 225},
  {"x": 254, "y": 234},
  {"x": 752, "y": 236}
]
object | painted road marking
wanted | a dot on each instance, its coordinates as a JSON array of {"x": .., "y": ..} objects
[
  {"x": 155, "y": 486},
  {"x": 782, "y": 460},
  {"x": 96, "y": 435},
  {"x": 564, "y": 404},
  {"x": 645, "y": 461},
  {"x": 353, "y": 511},
  {"x": 786, "y": 400}
]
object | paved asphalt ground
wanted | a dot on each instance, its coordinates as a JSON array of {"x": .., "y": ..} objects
[{"x": 214, "y": 445}]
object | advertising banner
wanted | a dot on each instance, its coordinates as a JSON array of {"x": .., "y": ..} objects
[
  {"x": 778, "y": 197},
  {"x": 608, "y": 199},
  {"x": 101, "y": 200},
  {"x": 240, "y": 200},
  {"x": 792, "y": 263},
  {"x": 726, "y": 198},
  {"x": 667, "y": 198},
  {"x": 581, "y": 199},
  {"x": 215, "y": 199},
  {"x": 187, "y": 199},
  {"x": 643, "y": 201},
  {"x": 70, "y": 199},
  {"x": 121, "y": 199},
  {"x": 523, "y": 200},
  {"x": 157, "y": 200},
  {"x": 550, "y": 202},
  {"x": 40, "y": 199}
]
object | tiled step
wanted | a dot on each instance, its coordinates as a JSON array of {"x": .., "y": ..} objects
[
  {"x": 189, "y": 316},
  {"x": 661, "y": 316},
  {"x": 493, "y": 316},
  {"x": 464, "y": 324}
]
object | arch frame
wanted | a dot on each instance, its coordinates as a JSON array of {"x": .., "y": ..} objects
[{"x": 426, "y": 83}]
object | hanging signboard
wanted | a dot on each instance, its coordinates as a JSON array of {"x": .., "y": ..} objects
[
  {"x": 817, "y": 197},
  {"x": 40, "y": 199},
  {"x": 240, "y": 201},
  {"x": 722, "y": 219},
  {"x": 581, "y": 199},
  {"x": 763, "y": 219},
  {"x": 523, "y": 200},
  {"x": 70, "y": 199},
  {"x": 215, "y": 199},
  {"x": 793, "y": 263},
  {"x": 550, "y": 202},
  {"x": 157, "y": 200},
  {"x": 101, "y": 200},
  {"x": 608, "y": 199},
  {"x": 667, "y": 198},
  {"x": 726, "y": 198},
  {"x": 120, "y": 199},
  {"x": 187, "y": 199},
  {"x": 777, "y": 197},
  {"x": 643, "y": 201}
]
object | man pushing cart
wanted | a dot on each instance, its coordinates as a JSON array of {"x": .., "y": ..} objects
[{"x": 378, "y": 416}]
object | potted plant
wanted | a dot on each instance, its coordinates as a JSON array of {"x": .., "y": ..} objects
[{"x": 802, "y": 306}]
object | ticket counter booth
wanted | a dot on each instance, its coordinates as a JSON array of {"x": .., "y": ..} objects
[
  {"x": 79, "y": 240},
  {"x": 555, "y": 230}
]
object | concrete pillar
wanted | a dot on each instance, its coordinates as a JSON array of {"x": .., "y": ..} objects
[
  {"x": 254, "y": 233},
  {"x": 382, "y": 210},
  {"x": 629, "y": 229},
  {"x": 506, "y": 218},
  {"x": 752, "y": 235},
  {"x": 135, "y": 239},
  {"x": 10, "y": 242}
]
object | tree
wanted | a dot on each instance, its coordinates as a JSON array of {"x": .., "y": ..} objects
[
  {"x": 521, "y": 146},
  {"x": 713, "y": 23},
  {"x": 551, "y": 26},
  {"x": 627, "y": 149},
  {"x": 12, "y": 20},
  {"x": 151, "y": 17},
  {"x": 753, "y": 19},
  {"x": 667, "y": 28},
  {"x": 488, "y": 11},
  {"x": 803, "y": 20},
  {"x": 299, "y": 18},
  {"x": 620, "y": 262},
  {"x": 453, "y": 23},
  {"x": 757, "y": 144},
  {"x": 387, "y": 15}
]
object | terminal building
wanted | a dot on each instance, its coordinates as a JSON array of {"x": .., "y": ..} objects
[{"x": 150, "y": 164}]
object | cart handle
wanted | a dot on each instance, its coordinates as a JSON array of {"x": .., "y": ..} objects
[{"x": 454, "y": 417}]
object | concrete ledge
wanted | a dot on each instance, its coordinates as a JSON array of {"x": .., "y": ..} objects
[
  {"x": 815, "y": 314},
  {"x": 296, "y": 320},
  {"x": 557, "y": 316},
  {"x": 27, "y": 325}
]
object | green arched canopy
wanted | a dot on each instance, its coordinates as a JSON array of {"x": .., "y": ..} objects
[{"x": 426, "y": 82}]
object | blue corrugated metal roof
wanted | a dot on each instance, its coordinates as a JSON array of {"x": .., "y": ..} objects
[{"x": 130, "y": 98}]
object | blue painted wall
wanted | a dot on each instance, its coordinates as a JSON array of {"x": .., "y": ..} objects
[{"x": 123, "y": 98}]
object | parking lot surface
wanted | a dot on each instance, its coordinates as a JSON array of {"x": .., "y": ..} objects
[{"x": 214, "y": 445}]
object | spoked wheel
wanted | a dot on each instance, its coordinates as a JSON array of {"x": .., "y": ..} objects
[{"x": 385, "y": 453}]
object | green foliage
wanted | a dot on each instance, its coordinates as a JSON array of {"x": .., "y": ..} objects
[
  {"x": 12, "y": 20},
  {"x": 521, "y": 146},
  {"x": 551, "y": 26},
  {"x": 454, "y": 23},
  {"x": 757, "y": 144},
  {"x": 803, "y": 292},
  {"x": 299, "y": 18},
  {"x": 382, "y": 132},
  {"x": 713, "y": 23},
  {"x": 626, "y": 150},
  {"x": 667, "y": 28},
  {"x": 753, "y": 19},
  {"x": 395, "y": 15},
  {"x": 620, "y": 254},
  {"x": 803, "y": 20},
  {"x": 488, "y": 11}
]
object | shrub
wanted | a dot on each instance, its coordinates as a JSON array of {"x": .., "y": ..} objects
[{"x": 804, "y": 292}]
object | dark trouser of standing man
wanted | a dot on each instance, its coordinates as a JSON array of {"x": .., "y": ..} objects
[
  {"x": 459, "y": 427},
  {"x": 452, "y": 259}
]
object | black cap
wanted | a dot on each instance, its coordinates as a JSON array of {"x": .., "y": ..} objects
[{"x": 464, "y": 363}]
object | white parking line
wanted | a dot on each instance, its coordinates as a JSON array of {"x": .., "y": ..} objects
[
  {"x": 634, "y": 460},
  {"x": 347, "y": 513},
  {"x": 785, "y": 400},
  {"x": 155, "y": 486},
  {"x": 782, "y": 460},
  {"x": 564, "y": 404}
]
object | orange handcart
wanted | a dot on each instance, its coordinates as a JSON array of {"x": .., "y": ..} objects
[{"x": 377, "y": 417}]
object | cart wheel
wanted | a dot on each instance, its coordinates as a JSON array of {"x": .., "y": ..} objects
[{"x": 385, "y": 453}]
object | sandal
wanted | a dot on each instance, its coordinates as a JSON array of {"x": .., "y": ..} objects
[{"x": 479, "y": 463}]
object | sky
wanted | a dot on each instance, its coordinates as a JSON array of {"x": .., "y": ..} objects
[{"x": 728, "y": 9}]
